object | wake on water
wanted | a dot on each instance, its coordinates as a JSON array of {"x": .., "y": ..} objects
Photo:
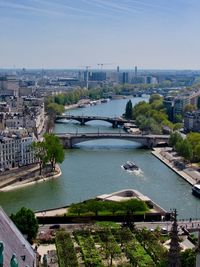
[{"x": 135, "y": 172}]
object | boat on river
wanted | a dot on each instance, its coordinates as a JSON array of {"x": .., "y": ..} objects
[
  {"x": 196, "y": 190},
  {"x": 130, "y": 166}
]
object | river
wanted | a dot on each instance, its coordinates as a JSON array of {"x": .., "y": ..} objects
[{"x": 94, "y": 168}]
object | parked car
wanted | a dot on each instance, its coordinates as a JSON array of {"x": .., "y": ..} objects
[{"x": 164, "y": 231}]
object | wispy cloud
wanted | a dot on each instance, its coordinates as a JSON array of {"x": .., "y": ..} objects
[
  {"x": 30, "y": 8},
  {"x": 132, "y": 6}
]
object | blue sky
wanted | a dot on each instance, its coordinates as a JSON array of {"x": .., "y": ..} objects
[{"x": 153, "y": 34}]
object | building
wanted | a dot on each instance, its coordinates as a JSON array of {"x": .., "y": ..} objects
[
  {"x": 123, "y": 77},
  {"x": 9, "y": 85},
  {"x": 15, "y": 149},
  {"x": 98, "y": 76},
  {"x": 192, "y": 121},
  {"x": 14, "y": 245},
  {"x": 175, "y": 105}
]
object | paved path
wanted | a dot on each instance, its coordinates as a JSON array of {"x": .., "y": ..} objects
[{"x": 190, "y": 174}]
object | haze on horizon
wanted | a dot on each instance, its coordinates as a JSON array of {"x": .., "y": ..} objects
[{"x": 152, "y": 34}]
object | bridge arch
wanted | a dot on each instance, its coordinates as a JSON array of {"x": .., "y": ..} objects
[{"x": 70, "y": 140}]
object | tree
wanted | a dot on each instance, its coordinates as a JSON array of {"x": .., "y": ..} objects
[
  {"x": 189, "y": 108},
  {"x": 55, "y": 151},
  {"x": 26, "y": 222},
  {"x": 177, "y": 126},
  {"x": 134, "y": 205},
  {"x": 77, "y": 208},
  {"x": 174, "y": 139},
  {"x": 188, "y": 258},
  {"x": 178, "y": 118},
  {"x": 94, "y": 206},
  {"x": 40, "y": 153},
  {"x": 129, "y": 110},
  {"x": 154, "y": 97},
  {"x": 54, "y": 109}
]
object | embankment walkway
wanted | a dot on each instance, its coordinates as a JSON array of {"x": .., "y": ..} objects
[{"x": 189, "y": 173}]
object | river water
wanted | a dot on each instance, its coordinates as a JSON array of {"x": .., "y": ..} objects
[{"x": 94, "y": 168}]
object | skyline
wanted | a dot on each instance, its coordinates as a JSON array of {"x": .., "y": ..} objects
[{"x": 71, "y": 34}]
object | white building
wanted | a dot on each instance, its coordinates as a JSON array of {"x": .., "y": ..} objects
[{"x": 15, "y": 149}]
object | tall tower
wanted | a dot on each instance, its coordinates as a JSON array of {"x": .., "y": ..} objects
[
  {"x": 117, "y": 68},
  {"x": 135, "y": 71},
  {"x": 174, "y": 250}
]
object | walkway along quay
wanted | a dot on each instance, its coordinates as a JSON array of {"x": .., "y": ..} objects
[
  {"x": 69, "y": 140},
  {"x": 117, "y": 121},
  {"x": 189, "y": 173}
]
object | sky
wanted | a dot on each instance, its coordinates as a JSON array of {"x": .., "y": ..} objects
[{"x": 150, "y": 34}]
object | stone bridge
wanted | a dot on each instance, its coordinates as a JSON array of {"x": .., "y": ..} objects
[
  {"x": 117, "y": 121},
  {"x": 150, "y": 140}
]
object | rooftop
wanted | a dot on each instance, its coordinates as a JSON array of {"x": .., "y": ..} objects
[{"x": 14, "y": 243}]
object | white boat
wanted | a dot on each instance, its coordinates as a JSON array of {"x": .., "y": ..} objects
[
  {"x": 130, "y": 166},
  {"x": 196, "y": 190}
]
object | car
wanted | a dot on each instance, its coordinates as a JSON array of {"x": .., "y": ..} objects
[
  {"x": 164, "y": 231},
  {"x": 54, "y": 226}
]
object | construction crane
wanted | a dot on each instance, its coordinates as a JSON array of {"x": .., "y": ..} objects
[{"x": 103, "y": 64}]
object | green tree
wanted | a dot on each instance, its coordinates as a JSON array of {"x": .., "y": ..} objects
[
  {"x": 40, "y": 152},
  {"x": 154, "y": 97},
  {"x": 189, "y": 108},
  {"x": 177, "y": 126},
  {"x": 26, "y": 222},
  {"x": 94, "y": 206},
  {"x": 77, "y": 208},
  {"x": 178, "y": 118},
  {"x": 134, "y": 205},
  {"x": 129, "y": 110},
  {"x": 174, "y": 139},
  {"x": 54, "y": 109},
  {"x": 55, "y": 151},
  {"x": 184, "y": 148},
  {"x": 112, "y": 206},
  {"x": 188, "y": 258}
]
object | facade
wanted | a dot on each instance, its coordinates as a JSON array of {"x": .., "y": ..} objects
[
  {"x": 14, "y": 245},
  {"x": 98, "y": 76},
  {"x": 15, "y": 150},
  {"x": 192, "y": 121},
  {"x": 175, "y": 106},
  {"x": 9, "y": 85}
]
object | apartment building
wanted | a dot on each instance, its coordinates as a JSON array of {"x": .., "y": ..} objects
[{"x": 15, "y": 149}]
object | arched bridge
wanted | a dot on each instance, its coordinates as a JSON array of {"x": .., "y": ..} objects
[
  {"x": 83, "y": 119},
  {"x": 70, "y": 140}
]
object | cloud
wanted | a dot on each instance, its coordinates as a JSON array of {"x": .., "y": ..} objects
[{"x": 26, "y": 7}]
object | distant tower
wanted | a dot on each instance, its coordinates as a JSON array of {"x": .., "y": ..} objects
[
  {"x": 117, "y": 68},
  {"x": 135, "y": 71},
  {"x": 198, "y": 252},
  {"x": 174, "y": 250}
]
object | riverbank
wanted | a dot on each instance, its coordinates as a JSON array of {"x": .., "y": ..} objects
[
  {"x": 33, "y": 180},
  {"x": 189, "y": 173}
]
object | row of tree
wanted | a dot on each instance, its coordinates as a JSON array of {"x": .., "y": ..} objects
[
  {"x": 48, "y": 150},
  {"x": 150, "y": 117},
  {"x": 188, "y": 147},
  {"x": 96, "y": 206}
]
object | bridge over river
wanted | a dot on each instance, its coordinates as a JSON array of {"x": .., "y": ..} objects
[
  {"x": 116, "y": 121},
  {"x": 151, "y": 140}
]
